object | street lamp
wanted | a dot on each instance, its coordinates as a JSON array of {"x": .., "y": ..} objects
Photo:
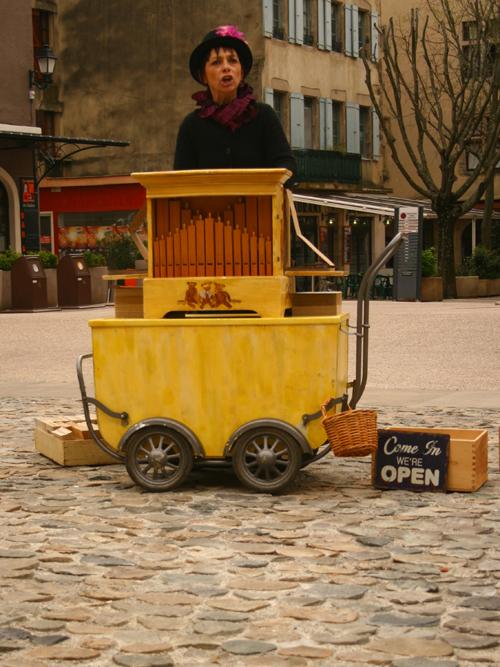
[{"x": 46, "y": 62}]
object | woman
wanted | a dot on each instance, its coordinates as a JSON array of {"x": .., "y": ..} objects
[{"x": 229, "y": 129}]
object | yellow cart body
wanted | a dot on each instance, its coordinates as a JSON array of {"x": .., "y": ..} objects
[{"x": 215, "y": 375}]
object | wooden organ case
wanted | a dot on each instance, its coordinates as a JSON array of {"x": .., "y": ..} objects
[{"x": 217, "y": 243}]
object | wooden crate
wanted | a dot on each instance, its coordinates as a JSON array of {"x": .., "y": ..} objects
[
  {"x": 70, "y": 452},
  {"x": 316, "y": 303},
  {"x": 468, "y": 456},
  {"x": 128, "y": 301}
]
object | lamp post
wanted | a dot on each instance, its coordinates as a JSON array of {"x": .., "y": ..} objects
[{"x": 46, "y": 62}]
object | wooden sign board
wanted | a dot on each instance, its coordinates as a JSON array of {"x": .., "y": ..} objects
[{"x": 411, "y": 460}]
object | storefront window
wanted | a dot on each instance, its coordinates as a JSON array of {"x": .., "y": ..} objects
[
  {"x": 361, "y": 243},
  {"x": 87, "y": 231}
]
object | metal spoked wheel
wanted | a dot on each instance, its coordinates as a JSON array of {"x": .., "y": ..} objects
[
  {"x": 266, "y": 459},
  {"x": 159, "y": 459}
]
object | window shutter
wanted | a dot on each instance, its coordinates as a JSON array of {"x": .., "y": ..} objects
[
  {"x": 376, "y": 134},
  {"x": 322, "y": 123},
  {"x": 328, "y": 25},
  {"x": 321, "y": 24},
  {"x": 329, "y": 125},
  {"x": 268, "y": 17},
  {"x": 352, "y": 127},
  {"x": 374, "y": 36},
  {"x": 299, "y": 21},
  {"x": 348, "y": 29},
  {"x": 269, "y": 96},
  {"x": 297, "y": 120},
  {"x": 355, "y": 31},
  {"x": 291, "y": 22}
]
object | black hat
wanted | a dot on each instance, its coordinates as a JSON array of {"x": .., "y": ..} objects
[{"x": 227, "y": 36}]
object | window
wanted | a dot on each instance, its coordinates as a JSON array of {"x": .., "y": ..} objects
[
  {"x": 308, "y": 122},
  {"x": 308, "y": 28},
  {"x": 363, "y": 29},
  {"x": 365, "y": 131},
  {"x": 278, "y": 19},
  {"x": 280, "y": 105},
  {"x": 337, "y": 114},
  {"x": 469, "y": 30},
  {"x": 41, "y": 28},
  {"x": 336, "y": 28}
]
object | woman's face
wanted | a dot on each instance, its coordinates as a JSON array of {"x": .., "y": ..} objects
[{"x": 223, "y": 74}]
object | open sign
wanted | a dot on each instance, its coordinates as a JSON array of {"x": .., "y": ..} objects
[{"x": 411, "y": 460}]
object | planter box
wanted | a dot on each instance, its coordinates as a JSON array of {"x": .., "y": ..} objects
[
  {"x": 51, "y": 275},
  {"x": 483, "y": 287},
  {"x": 98, "y": 286},
  {"x": 467, "y": 459},
  {"x": 467, "y": 287},
  {"x": 431, "y": 289},
  {"x": 494, "y": 287},
  {"x": 5, "y": 290}
]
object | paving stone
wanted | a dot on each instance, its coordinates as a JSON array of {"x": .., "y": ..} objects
[
  {"x": 467, "y": 641},
  {"x": 306, "y": 651},
  {"x": 64, "y": 653},
  {"x": 482, "y": 602},
  {"x": 247, "y": 647},
  {"x": 320, "y": 614},
  {"x": 422, "y": 662},
  {"x": 403, "y": 620},
  {"x": 338, "y": 591},
  {"x": 403, "y": 645},
  {"x": 215, "y": 628},
  {"x": 142, "y": 661},
  {"x": 49, "y": 640}
]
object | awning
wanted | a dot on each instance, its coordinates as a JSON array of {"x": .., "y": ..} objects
[
  {"x": 52, "y": 149},
  {"x": 377, "y": 204}
]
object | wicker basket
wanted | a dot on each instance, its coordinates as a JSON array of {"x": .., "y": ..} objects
[{"x": 352, "y": 433}]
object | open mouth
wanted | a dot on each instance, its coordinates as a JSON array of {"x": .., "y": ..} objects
[{"x": 227, "y": 80}]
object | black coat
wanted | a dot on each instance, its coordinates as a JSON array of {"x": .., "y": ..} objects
[{"x": 202, "y": 143}]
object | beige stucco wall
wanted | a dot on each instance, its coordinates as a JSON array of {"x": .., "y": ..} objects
[
  {"x": 16, "y": 59},
  {"x": 124, "y": 73}
]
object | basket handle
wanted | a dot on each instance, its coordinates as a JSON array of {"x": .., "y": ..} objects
[{"x": 334, "y": 401}]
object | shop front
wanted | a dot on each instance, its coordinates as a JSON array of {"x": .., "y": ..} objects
[{"x": 83, "y": 212}]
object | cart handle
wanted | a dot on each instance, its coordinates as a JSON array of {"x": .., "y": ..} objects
[
  {"x": 86, "y": 401},
  {"x": 363, "y": 319}
]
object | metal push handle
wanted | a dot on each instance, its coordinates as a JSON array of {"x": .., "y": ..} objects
[
  {"x": 86, "y": 401},
  {"x": 363, "y": 319}
]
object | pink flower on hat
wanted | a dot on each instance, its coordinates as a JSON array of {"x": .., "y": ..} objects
[{"x": 229, "y": 31}]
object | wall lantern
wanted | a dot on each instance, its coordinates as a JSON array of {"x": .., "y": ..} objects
[{"x": 46, "y": 62}]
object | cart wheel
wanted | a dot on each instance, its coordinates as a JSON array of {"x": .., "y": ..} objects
[
  {"x": 266, "y": 459},
  {"x": 159, "y": 459}
]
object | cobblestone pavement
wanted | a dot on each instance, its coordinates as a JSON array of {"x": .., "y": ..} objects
[{"x": 97, "y": 572}]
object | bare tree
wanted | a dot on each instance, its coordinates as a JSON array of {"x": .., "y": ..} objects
[{"x": 437, "y": 98}]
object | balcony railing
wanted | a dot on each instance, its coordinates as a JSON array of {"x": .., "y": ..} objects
[{"x": 327, "y": 166}]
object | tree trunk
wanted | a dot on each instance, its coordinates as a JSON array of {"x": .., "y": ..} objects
[{"x": 446, "y": 254}]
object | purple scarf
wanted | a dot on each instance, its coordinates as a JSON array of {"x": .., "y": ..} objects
[{"x": 233, "y": 115}]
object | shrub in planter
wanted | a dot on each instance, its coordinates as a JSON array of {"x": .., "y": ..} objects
[
  {"x": 48, "y": 259},
  {"x": 429, "y": 263},
  {"x": 431, "y": 285},
  {"x": 7, "y": 259},
  {"x": 93, "y": 259},
  {"x": 120, "y": 252},
  {"x": 486, "y": 263}
]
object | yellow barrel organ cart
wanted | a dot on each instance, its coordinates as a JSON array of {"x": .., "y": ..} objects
[{"x": 219, "y": 370}]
